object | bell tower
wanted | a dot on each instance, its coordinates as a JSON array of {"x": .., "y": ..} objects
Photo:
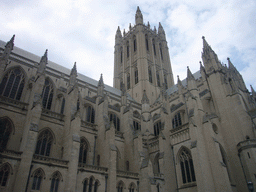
[{"x": 142, "y": 60}]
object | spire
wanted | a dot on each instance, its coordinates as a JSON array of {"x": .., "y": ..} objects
[
  {"x": 144, "y": 98},
  {"x": 74, "y": 71},
  {"x": 130, "y": 26},
  {"x": 148, "y": 25},
  {"x": 124, "y": 33},
  {"x": 101, "y": 83},
  {"x": 7, "y": 51},
  {"x": 73, "y": 75},
  {"x": 138, "y": 17},
  {"x": 230, "y": 64},
  {"x": 118, "y": 33},
  {"x": 155, "y": 29},
  {"x": 43, "y": 62},
  {"x": 253, "y": 92},
  {"x": 189, "y": 75},
  {"x": 179, "y": 81},
  {"x": 161, "y": 31}
]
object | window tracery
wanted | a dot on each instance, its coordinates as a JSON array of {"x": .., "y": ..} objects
[
  {"x": 47, "y": 94},
  {"x": 83, "y": 151},
  {"x": 56, "y": 177},
  {"x": 4, "y": 174},
  {"x": 44, "y": 143},
  {"x": 12, "y": 84},
  {"x": 176, "y": 121},
  {"x": 37, "y": 179},
  {"x": 113, "y": 117}
]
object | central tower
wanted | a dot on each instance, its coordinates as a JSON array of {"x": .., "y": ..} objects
[{"x": 142, "y": 60}]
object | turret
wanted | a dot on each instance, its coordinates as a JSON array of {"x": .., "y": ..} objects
[
  {"x": 43, "y": 63},
  {"x": 73, "y": 75},
  {"x": 138, "y": 17}
]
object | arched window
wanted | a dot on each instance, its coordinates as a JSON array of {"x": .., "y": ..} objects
[
  {"x": 5, "y": 132},
  {"x": 154, "y": 46},
  {"x": 156, "y": 164},
  {"x": 158, "y": 79},
  {"x": 98, "y": 160},
  {"x": 120, "y": 186},
  {"x": 136, "y": 75},
  {"x": 158, "y": 187},
  {"x": 78, "y": 104},
  {"x": 12, "y": 84},
  {"x": 157, "y": 128},
  {"x": 90, "y": 114},
  {"x": 186, "y": 166},
  {"x": 128, "y": 81},
  {"x": 121, "y": 54},
  {"x": 128, "y": 49},
  {"x": 165, "y": 82},
  {"x": 56, "y": 177},
  {"x": 150, "y": 75},
  {"x": 47, "y": 94},
  {"x": 134, "y": 43},
  {"x": 132, "y": 187},
  {"x": 85, "y": 185},
  {"x": 44, "y": 143},
  {"x": 96, "y": 186},
  {"x": 127, "y": 166},
  {"x": 136, "y": 125},
  {"x": 83, "y": 151},
  {"x": 62, "y": 106},
  {"x": 176, "y": 121},
  {"x": 4, "y": 174},
  {"x": 37, "y": 179},
  {"x": 113, "y": 117},
  {"x": 90, "y": 184},
  {"x": 161, "y": 52},
  {"x": 146, "y": 39}
]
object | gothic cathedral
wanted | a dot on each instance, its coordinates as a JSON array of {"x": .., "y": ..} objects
[{"x": 61, "y": 131}]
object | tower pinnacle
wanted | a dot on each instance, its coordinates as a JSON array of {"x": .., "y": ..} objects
[{"x": 138, "y": 17}]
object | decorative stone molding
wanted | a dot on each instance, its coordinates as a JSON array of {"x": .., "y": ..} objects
[
  {"x": 175, "y": 107},
  {"x": 33, "y": 127},
  {"x": 113, "y": 147}
]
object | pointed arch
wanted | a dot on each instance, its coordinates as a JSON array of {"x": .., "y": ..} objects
[
  {"x": 85, "y": 184},
  {"x": 91, "y": 179},
  {"x": 132, "y": 187},
  {"x": 13, "y": 82},
  {"x": 83, "y": 151},
  {"x": 177, "y": 120},
  {"x": 156, "y": 166},
  {"x": 55, "y": 180},
  {"x": 90, "y": 113},
  {"x": 186, "y": 165},
  {"x": 44, "y": 142},
  {"x": 5, "y": 171},
  {"x": 96, "y": 185},
  {"x": 6, "y": 129},
  {"x": 120, "y": 186},
  {"x": 136, "y": 114},
  {"x": 134, "y": 43},
  {"x": 38, "y": 175},
  {"x": 113, "y": 117},
  {"x": 47, "y": 93}
]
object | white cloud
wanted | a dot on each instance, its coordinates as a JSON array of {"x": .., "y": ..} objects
[{"x": 84, "y": 31}]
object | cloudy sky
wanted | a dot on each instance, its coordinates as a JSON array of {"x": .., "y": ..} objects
[{"x": 84, "y": 31}]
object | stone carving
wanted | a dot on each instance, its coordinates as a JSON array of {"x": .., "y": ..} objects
[
  {"x": 106, "y": 121},
  {"x": 193, "y": 144}
]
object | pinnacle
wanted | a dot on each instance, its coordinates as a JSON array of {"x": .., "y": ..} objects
[
  {"x": 230, "y": 64},
  {"x": 74, "y": 71},
  {"x": 144, "y": 98},
  {"x": 101, "y": 83},
  {"x": 138, "y": 10},
  {"x": 252, "y": 90},
  {"x": 189, "y": 74},
  {"x": 12, "y": 39},
  {"x": 179, "y": 81}
]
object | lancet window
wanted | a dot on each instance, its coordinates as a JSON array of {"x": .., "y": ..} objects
[
  {"x": 56, "y": 177},
  {"x": 186, "y": 166},
  {"x": 154, "y": 46},
  {"x": 44, "y": 143},
  {"x": 120, "y": 187},
  {"x": 128, "y": 81},
  {"x": 113, "y": 117},
  {"x": 165, "y": 82},
  {"x": 37, "y": 179},
  {"x": 4, "y": 174},
  {"x": 176, "y": 121},
  {"x": 150, "y": 75},
  {"x": 136, "y": 125},
  {"x": 85, "y": 185},
  {"x": 83, "y": 151},
  {"x": 161, "y": 51},
  {"x": 158, "y": 79},
  {"x": 121, "y": 54},
  {"x": 12, "y": 84},
  {"x": 90, "y": 184},
  {"x": 90, "y": 114},
  {"x": 136, "y": 75},
  {"x": 134, "y": 44},
  {"x": 47, "y": 94},
  {"x": 128, "y": 49},
  {"x": 157, "y": 128},
  {"x": 62, "y": 106},
  {"x": 132, "y": 187},
  {"x": 146, "y": 39},
  {"x": 5, "y": 132}
]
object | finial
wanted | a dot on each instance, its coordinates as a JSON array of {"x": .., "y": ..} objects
[
  {"x": 124, "y": 32},
  {"x": 101, "y": 83},
  {"x": 12, "y": 39},
  {"x": 203, "y": 37},
  {"x": 138, "y": 9},
  {"x": 130, "y": 26},
  {"x": 74, "y": 71},
  {"x": 138, "y": 17},
  {"x": 189, "y": 74},
  {"x": 148, "y": 25}
]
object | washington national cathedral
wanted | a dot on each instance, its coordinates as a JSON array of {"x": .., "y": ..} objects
[{"x": 61, "y": 131}]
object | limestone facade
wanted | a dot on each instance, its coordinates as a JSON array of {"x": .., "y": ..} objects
[{"x": 63, "y": 131}]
